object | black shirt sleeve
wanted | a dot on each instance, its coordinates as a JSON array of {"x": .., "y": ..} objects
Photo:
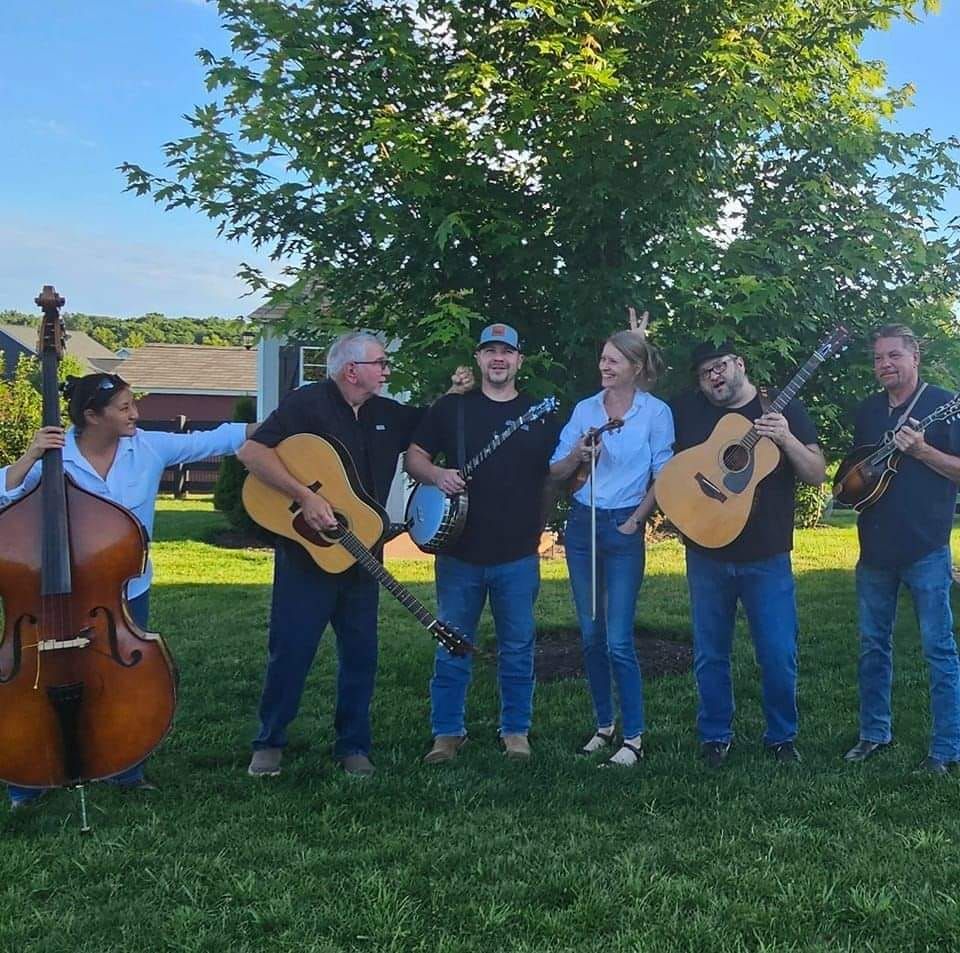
[
  {"x": 283, "y": 422},
  {"x": 801, "y": 426},
  {"x": 430, "y": 433}
]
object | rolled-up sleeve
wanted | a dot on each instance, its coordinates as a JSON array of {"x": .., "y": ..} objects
[
  {"x": 15, "y": 493},
  {"x": 661, "y": 438},
  {"x": 175, "y": 448},
  {"x": 569, "y": 436}
]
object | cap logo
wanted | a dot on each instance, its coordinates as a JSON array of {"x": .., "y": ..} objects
[{"x": 498, "y": 331}]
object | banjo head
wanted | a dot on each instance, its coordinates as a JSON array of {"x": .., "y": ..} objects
[{"x": 426, "y": 510}]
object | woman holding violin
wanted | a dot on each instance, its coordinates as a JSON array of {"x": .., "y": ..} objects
[
  {"x": 629, "y": 433},
  {"x": 106, "y": 454}
]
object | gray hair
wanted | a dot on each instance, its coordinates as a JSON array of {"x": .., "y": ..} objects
[
  {"x": 351, "y": 346},
  {"x": 910, "y": 341}
]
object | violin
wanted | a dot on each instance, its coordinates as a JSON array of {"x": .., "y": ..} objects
[
  {"x": 84, "y": 693},
  {"x": 592, "y": 439}
]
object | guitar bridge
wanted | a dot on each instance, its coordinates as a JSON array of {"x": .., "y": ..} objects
[{"x": 710, "y": 489}]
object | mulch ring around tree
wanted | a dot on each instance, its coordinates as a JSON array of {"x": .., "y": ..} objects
[{"x": 559, "y": 654}]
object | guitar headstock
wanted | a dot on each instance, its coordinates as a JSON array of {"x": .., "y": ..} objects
[
  {"x": 452, "y": 639},
  {"x": 947, "y": 412},
  {"x": 546, "y": 406},
  {"x": 834, "y": 344}
]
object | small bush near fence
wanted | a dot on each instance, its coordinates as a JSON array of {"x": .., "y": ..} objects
[{"x": 226, "y": 492}]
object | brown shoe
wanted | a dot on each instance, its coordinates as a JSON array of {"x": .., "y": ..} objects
[
  {"x": 516, "y": 747},
  {"x": 445, "y": 748},
  {"x": 357, "y": 765}
]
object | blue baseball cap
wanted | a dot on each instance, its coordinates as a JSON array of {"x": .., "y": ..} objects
[{"x": 500, "y": 334}]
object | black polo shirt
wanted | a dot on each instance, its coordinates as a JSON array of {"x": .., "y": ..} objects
[
  {"x": 375, "y": 437},
  {"x": 769, "y": 530},
  {"x": 915, "y": 514}
]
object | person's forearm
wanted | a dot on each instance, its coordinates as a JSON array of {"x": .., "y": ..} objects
[
  {"x": 565, "y": 466},
  {"x": 265, "y": 464},
  {"x": 252, "y": 428},
  {"x": 419, "y": 465},
  {"x": 18, "y": 470},
  {"x": 946, "y": 464},
  {"x": 808, "y": 463}
]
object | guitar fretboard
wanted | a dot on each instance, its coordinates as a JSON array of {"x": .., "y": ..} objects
[
  {"x": 786, "y": 395},
  {"x": 376, "y": 569}
]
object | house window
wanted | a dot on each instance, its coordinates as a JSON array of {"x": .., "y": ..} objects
[{"x": 313, "y": 364}]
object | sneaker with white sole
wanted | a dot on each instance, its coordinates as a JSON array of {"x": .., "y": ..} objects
[{"x": 265, "y": 763}]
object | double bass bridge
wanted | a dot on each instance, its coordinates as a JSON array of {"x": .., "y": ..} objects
[{"x": 54, "y": 645}]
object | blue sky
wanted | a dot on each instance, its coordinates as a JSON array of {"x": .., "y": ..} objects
[{"x": 88, "y": 84}]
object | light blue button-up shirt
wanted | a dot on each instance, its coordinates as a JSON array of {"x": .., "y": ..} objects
[
  {"x": 133, "y": 479},
  {"x": 630, "y": 457}
]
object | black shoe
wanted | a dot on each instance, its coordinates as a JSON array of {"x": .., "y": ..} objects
[
  {"x": 931, "y": 765},
  {"x": 865, "y": 749},
  {"x": 785, "y": 753},
  {"x": 714, "y": 753}
]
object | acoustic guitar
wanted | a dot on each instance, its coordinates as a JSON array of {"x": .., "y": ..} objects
[
  {"x": 708, "y": 491},
  {"x": 324, "y": 465},
  {"x": 865, "y": 473}
]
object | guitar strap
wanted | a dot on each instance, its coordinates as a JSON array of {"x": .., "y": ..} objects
[
  {"x": 461, "y": 437},
  {"x": 905, "y": 416}
]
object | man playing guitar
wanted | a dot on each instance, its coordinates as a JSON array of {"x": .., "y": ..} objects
[
  {"x": 375, "y": 431},
  {"x": 905, "y": 538},
  {"x": 496, "y": 554},
  {"x": 755, "y": 568}
]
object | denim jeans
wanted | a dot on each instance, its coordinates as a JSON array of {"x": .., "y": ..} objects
[
  {"x": 462, "y": 590},
  {"x": 766, "y": 590},
  {"x": 140, "y": 613},
  {"x": 928, "y": 581},
  {"x": 305, "y": 599},
  {"x": 608, "y": 639}
]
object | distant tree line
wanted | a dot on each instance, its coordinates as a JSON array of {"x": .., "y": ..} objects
[{"x": 151, "y": 328}]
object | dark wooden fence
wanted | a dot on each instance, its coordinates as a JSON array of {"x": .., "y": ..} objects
[{"x": 197, "y": 477}]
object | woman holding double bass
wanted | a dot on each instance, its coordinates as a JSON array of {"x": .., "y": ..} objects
[{"x": 103, "y": 455}]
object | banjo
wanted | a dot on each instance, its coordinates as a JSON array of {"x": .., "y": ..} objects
[{"x": 436, "y": 520}]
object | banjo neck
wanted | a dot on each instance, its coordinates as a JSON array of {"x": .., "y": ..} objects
[{"x": 534, "y": 413}]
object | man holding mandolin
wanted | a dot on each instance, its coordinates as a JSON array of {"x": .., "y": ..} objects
[
  {"x": 904, "y": 530},
  {"x": 754, "y": 568}
]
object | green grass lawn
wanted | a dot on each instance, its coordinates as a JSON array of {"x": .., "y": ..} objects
[{"x": 483, "y": 854}]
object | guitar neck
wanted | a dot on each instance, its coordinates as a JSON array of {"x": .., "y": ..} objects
[
  {"x": 778, "y": 405},
  {"x": 376, "y": 569},
  {"x": 888, "y": 447}
]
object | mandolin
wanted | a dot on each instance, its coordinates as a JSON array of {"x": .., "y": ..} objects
[
  {"x": 580, "y": 476},
  {"x": 865, "y": 473},
  {"x": 707, "y": 492},
  {"x": 324, "y": 465}
]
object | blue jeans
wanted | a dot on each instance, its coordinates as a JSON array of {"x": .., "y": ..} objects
[
  {"x": 928, "y": 580},
  {"x": 766, "y": 590},
  {"x": 305, "y": 599},
  {"x": 140, "y": 613},
  {"x": 462, "y": 590},
  {"x": 608, "y": 639}
]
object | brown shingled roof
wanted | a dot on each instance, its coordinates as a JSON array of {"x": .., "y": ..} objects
[
  {"x": 79, "y": 344},
  {"x": 191, "y": 368}
]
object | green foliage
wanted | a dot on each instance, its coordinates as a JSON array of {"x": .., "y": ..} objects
[
  {"x": 435, "y": 165},
  {"x": 21, "y": 410},
  {"x": 809, "y": 503},
  {"x": 226, "y": 491}
]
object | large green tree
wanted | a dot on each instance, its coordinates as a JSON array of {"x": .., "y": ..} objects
[{"x": 431, "y": 165}]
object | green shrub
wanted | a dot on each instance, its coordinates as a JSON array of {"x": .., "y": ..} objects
[
  {"x": 226, "y": 491},
  {"x": 810, "y": 501}
]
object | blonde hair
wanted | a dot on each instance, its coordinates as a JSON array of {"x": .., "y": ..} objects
[{"x": 644, "y": 357}]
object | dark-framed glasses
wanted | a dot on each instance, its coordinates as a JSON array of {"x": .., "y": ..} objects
[
  {"x": 720, "y": 367},
  {"x": 382, "y": 361}
]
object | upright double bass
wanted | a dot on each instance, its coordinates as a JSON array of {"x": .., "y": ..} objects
[{"x": 84, "y": 693}]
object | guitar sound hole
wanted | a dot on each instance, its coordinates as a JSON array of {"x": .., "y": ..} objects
[{"x": 736, "y": 458}]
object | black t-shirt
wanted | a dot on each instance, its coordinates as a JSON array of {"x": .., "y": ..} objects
[
  {"x": 769, "y": 530},
  {"x": 915, "y": 514},
  {"x": 505, "y": 491},
  {"x": 375, "y": 437}
]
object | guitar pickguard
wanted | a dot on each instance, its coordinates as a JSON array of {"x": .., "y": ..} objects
[{"x": 738, "y": 481}]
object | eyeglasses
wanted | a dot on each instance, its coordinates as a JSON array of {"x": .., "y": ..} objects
[
  {"x": 382, "y": 361},
  {"x": 106, "y": 385},
  {"x": 719, "y": 368}
]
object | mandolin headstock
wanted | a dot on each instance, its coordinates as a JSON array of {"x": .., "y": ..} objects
[{"x": 452, "y": 639}]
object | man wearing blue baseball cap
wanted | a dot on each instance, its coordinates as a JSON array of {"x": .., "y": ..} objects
[{"x": 497, "y": 553}]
